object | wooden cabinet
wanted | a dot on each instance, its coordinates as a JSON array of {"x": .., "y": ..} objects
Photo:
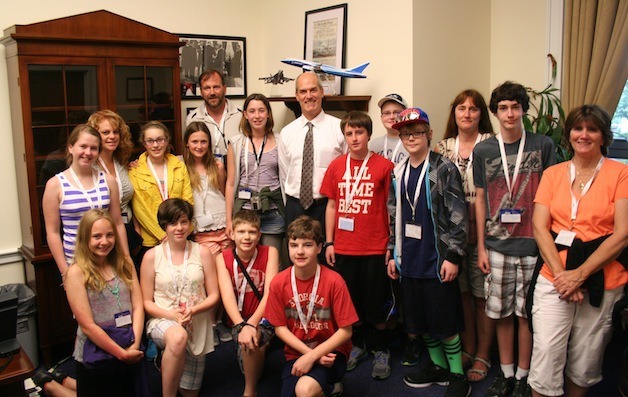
[{"x": 61, "y": 71}]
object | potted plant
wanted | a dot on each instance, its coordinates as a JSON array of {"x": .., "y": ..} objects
[{"x": 546, "y": 115}]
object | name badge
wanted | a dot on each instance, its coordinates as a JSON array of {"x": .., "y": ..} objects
[
  {"x": 219, "y": 156},
  {"x": 346, "y": 223},
  {"x": 565, "y": 237},
  {"x": 205, "y": 220},
  {"x": 244, "y": 194},
  {"x": 123, "y": 319},
  {"x": 413, "y": 231},
  {"x": 510, "y": 216},
  {"x": 125, "y": 217}
]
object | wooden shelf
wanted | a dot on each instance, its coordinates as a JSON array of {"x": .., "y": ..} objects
[{"x": 344, "y": 103}]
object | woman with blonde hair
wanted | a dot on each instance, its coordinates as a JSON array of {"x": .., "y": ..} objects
[
  {"x": 253, "y": 171},
  {"x": 207, "y": 177},
  {"x": 105, "y": 298}
]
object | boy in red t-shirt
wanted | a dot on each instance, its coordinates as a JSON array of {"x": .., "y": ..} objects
[
  {"x": 357, "y": 186},
  {"x": 244, "y": 305},
  {"x": 312, "y": 312}
]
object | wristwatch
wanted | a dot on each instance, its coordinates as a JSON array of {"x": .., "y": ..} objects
[
  {"x": 327, "y": 244},
  {"x": 238, "y": 327}
]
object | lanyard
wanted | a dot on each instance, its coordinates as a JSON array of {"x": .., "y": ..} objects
[
  {"x": 219, "y": 129},
  {"x": 118, "y": 181},
  {"x": 242, "y": 288},
  {"x": 417, "y": 192},
  {"x": 295, "y": 294},
  {"x": 115, "y": 291},
  {"x": 99, "y": 198},
  {"x": 258, "y": 157},
  {"x": 457, "y": 152},
  {"x": 186, "y": 254},
  {"x": 576, "y": 202},
  {"x": 351, "y": 190},
  {"x": 394, "y": 153},
  {"x": 205, "y": 186},
  {"x": 502, "y": 152},
  {"x": 163, "y": 189}
]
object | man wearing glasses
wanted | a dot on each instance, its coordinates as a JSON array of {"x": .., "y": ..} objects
[
  {"x": 389, "y": 145},
  {"x": 430, "y": 237}
]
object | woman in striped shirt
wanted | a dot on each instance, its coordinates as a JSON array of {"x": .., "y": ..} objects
[{"x": 76, "y": 190}]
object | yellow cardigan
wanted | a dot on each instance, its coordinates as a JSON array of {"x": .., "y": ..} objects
[{"x": 147, "y": 196}]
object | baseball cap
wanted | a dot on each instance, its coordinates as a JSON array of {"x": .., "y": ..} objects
[
  {"x": 392, "y": 97},
  {"x": 410, "y": 115}
]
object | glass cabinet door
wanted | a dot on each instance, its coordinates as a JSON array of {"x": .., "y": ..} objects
[
  {"x": 144, "y": 93},
  {"x": 62, "y": 96}
]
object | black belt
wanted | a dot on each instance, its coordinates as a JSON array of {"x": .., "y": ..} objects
[{"x": 317, "y": 202}]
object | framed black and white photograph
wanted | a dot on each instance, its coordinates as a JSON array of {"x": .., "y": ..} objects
[
  {"x": 325, "y": 39},
  {"x": 223, "y": 53}
]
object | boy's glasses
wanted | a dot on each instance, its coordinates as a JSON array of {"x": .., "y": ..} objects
[
  {"x": 388, "y": 114},
  {"x": 415, "y": 135}
]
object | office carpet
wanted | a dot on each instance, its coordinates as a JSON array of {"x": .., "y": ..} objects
[{"x": 223, "y": 377}]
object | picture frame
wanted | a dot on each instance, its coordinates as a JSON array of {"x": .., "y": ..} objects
[
  {"x": 224, "y": 53},
  {"x": 325, "y": 41}
]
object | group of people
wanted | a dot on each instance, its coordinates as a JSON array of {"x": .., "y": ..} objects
[{"x": 459, "y": 239}]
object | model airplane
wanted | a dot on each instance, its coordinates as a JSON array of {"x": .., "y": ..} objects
[
  {"x": 318, "y": 67},
  {"x": 277, "y": 78}
]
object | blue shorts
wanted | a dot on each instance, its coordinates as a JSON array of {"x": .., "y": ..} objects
[
  {"x": 326, "y": 377},
  {"x": 271, "y": 222}
]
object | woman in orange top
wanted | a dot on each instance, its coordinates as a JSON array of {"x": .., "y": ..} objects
[{"x": 578, "y": 227}]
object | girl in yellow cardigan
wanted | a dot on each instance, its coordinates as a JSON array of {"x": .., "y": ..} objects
[{"x": 159, "y": 175}]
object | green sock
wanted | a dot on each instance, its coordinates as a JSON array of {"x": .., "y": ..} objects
[
  {"x": 453, "y": 351},
  {"x": 435, "y": 348}
]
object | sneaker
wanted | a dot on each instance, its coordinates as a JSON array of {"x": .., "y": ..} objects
[
  {"x": 337, "y": 390},
  {"x": 224, "y": 332},
  {"x": 381, "y": 365},
  {"x": 412, "y": 353},
  {"x": 355, "y": 357},
  {"x": 458, "y": 386},
  {"x": 522, "y": 389},
  {"x": 431, "y": 374},
  {"x": 501, "y": 387}
]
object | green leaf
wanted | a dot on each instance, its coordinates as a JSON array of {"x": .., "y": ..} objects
[
  {"x": 527, "y": 124},
  {"x": 542, "y": 126}
]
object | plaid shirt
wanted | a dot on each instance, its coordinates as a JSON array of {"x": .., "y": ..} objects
[{"x": 448, "y": 208}]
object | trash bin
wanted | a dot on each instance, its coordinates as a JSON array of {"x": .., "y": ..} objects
[{"x": 26, "y": 319}]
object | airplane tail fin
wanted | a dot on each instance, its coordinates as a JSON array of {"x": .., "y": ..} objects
[{"x": 359, "y": 69}]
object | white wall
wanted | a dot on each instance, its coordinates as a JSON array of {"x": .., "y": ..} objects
[{"x": 427, "y": 51}]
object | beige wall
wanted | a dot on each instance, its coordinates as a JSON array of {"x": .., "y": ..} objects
[
  {"x": 427, "y": 51},
  {"x": 451, "y": 54}
]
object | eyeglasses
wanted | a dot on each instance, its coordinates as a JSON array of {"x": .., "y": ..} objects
[
  {"x": 151, "y": 142},
  {"x": 389, "y": 113},
  {"x": 415, "y": 135}
]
